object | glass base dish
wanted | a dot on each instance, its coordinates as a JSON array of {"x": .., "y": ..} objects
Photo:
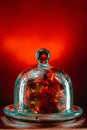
[{"x": 68, "y": 115}]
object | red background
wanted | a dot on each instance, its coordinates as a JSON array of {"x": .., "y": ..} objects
[{"x": 58, "y": 25}]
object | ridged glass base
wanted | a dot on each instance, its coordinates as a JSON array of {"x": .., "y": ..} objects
[{"x": 68, "y": 115}]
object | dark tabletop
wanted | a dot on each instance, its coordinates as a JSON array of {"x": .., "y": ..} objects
[{"x": 7, "y": 122}]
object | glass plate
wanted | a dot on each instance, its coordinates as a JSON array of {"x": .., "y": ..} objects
[{"x": 68, "y": 115}]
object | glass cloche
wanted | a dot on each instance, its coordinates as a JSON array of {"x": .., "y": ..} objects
[{"x": 43, "y": 93}]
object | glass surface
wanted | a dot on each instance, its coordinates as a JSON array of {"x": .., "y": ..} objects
[
  {"x": 43, "y": 93},
  {"x": 43, "y": 89}
]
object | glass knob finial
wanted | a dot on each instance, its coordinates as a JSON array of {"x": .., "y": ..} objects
[{"x": 43, "y": 55}]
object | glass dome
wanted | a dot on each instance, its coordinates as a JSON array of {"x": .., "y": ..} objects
[{"x": 43, "y": 90}]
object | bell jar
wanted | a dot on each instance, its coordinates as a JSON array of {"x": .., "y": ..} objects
[{"x": 43, "y": 92}]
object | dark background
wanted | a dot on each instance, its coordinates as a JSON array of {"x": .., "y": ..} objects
[{"x": 58, "y": 25}]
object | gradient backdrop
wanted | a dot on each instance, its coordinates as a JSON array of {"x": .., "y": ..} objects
[{"x": 58, "y": 25}]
